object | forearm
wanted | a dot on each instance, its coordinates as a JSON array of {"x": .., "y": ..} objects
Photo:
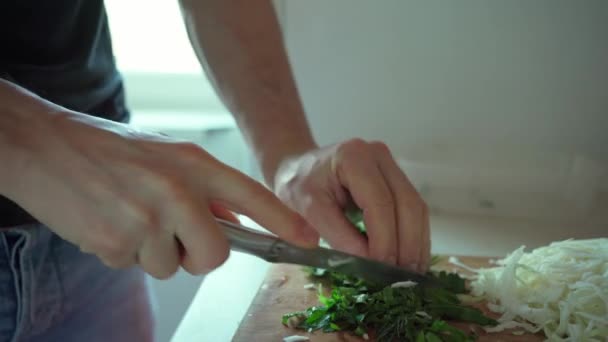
[
  {"x": 20, "y": 116},
  {"x": 239, "y": 44}
]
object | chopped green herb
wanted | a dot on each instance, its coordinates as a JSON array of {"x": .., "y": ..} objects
[
  {"x": 400, "y": 314},
  {"x": 356, "y": 218},
  {"x": 435, "y": 259},
  {"x": 393, "y": 314}
]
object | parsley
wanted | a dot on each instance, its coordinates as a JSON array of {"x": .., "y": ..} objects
[
  {"x": 402, "y": 314},
  {"x": 356, "y": 218},
  {"x": 394, "y": 314}
]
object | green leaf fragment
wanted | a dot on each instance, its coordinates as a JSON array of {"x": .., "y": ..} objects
[
  {"x": 450, "y": 281},
  {"x": 355, "y": 216},
  {"x": 435, "y": 259},
  {"x": 334, "y": 326},
  {"x": 431, "y": 337}
]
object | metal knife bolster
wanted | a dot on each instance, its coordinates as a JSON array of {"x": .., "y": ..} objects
[
  {"x": 290, "y": 254},
  {"x": 271, "y": 248},
  {"x": 247, "y": 240}
]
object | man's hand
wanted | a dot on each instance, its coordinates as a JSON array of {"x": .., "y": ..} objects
[
  {"x": 324, "y": 182},
  {"x": 128, "y": 196},
  {"x": 239, "y": 44}
]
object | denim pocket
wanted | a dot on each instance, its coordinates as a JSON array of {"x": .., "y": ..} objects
[{"x": 31, "y": 286}]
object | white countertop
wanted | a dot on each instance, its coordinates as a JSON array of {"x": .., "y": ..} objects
[{"x": 225, "y": 295}]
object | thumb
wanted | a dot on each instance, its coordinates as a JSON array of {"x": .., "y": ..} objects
[{"x": 330, "y": 221}]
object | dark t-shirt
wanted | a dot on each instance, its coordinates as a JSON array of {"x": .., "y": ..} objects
[{"x": 60, "y": 50}]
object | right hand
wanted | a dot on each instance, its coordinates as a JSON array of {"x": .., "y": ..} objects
[{"x": 133, "y": 197}]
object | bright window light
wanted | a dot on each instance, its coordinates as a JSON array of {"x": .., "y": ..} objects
[{"x": 149, "y": 36}]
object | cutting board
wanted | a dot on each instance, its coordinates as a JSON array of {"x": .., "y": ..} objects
[{"x": 283, "y": 291}]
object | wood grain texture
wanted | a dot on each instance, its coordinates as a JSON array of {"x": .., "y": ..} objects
[{"x": 283, "y": 291}]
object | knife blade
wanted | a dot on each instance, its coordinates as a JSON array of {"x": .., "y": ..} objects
[
  {"x": 275, "y": 250},
  {"x": 333, "y": 260}
]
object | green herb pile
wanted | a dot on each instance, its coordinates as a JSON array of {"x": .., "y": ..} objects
[{"x": 415, "y": 313}]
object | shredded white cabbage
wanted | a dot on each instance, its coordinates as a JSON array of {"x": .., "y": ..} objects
[
  {"x": 406, "y": 284},
  {"x": 295, "y": 338},
  {"x": 423, "y": 314},
  {"x": 310, "y": 286},
  {"x": 561, "y": 289},
  {"x": 339, "y": 261}
]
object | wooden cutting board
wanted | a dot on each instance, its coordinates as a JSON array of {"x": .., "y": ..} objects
[{"x": 283, "y": 291}]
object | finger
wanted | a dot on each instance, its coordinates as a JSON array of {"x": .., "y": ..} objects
[
  {"x": 116, "y": 263},
  {"x": 204, "y": 245},
  {"x": 360, "y": 174},
  {"x": 331, "y": 223},
  {"x": 412, "y": 218},
  {"x": 242, "y": 194},
  {"x": 115, "y": 246},
  {"x": 159, "y": 255}
]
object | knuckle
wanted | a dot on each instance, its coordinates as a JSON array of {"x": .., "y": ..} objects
[
  {"x": 308, "y": 206},
  {"x": 355, "y": 145},
  {"x": 382, "y": 202},
  {"x": 217, "y": 259},
  {"x": 172, "y": 187},
  {"x": 114, "y": 244},
  {"x": 161, "y": 275},
  {"x": 142, "y": 214},
  {"x": 108, "y": 262},
  {"x": 380, "y": 147},
  {"x": 147, "y": 172},
  {"x": 284, "y": 193},
  {"x": 190, "y": 151},
  {"x": 160, "y": 179},
  {"x": 164, "y": 273},
  {"x": 297, "y": 187},
  {"x": 188, "y": 148},
  {"x": 309, "y": 185},
  {"x": 120, "y": 244},
  {"x": 116, "y": 262},
  {"x": 166, "y": 181},
  {"x": 412, "y": 202},
  {"x": 424, "y": 207},
  {"x": 180, "y": 195},
  {"x": 216, "y": 255},
  {"x": 419, "y": 207}
]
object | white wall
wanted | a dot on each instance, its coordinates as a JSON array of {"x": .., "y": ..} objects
[{"x": 505, "y": 101}]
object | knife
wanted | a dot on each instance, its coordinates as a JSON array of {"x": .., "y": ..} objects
[{"x": 275, "y": 250}]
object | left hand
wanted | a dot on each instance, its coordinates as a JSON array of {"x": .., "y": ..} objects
[{"x": 322, "y": 183}]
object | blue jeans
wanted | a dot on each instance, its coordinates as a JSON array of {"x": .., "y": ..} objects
[{"x": 51, "y": 291}]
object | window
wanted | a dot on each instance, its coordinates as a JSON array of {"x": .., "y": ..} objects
[
  {"x": 153, "y": 52},
  {"x": 149, "y": 36}
]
